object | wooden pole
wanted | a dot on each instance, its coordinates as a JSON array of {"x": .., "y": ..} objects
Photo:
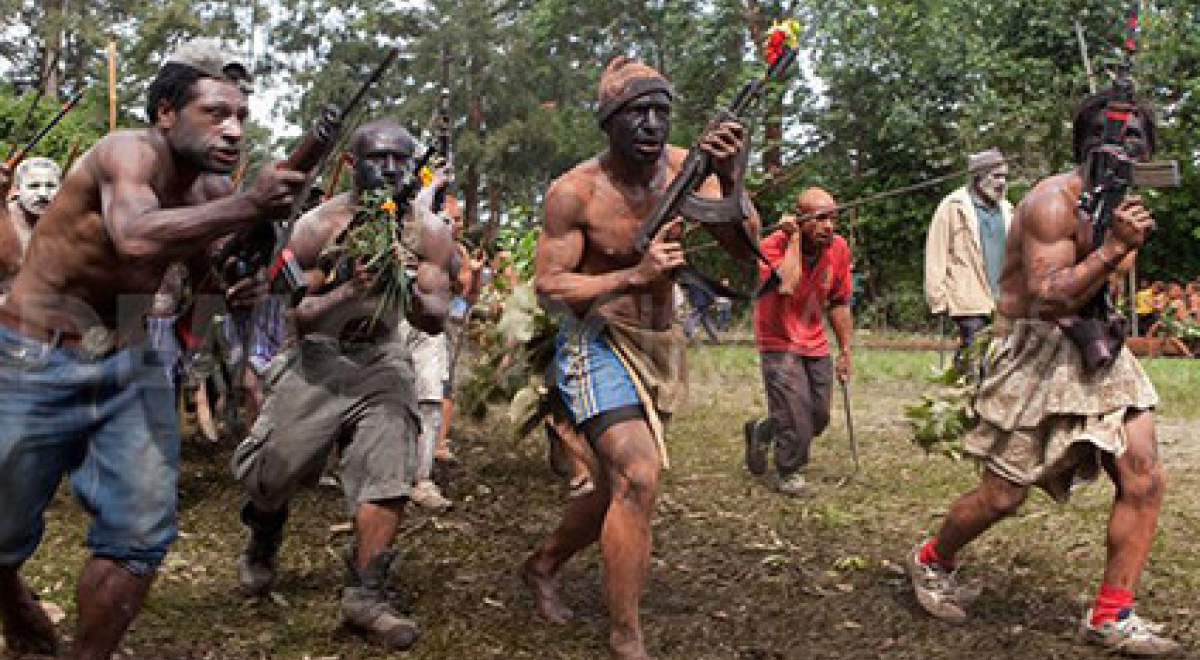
[{"x": 112, "y": 83}]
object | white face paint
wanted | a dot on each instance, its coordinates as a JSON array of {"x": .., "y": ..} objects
[
  {"x": 36, "y": 188},
  {"x": 993, "y": 184}
]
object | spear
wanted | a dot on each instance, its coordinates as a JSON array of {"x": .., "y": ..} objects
[
  {"x": 24, "y": 151},
  {"x": 37, "y": 98}
]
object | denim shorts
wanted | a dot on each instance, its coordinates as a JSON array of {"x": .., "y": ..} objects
[{"x": 108, "y": 424}]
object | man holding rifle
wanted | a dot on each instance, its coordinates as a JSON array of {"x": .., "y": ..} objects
[
  {"x": 814, "y": 266},
  {"x": 347, "y": 382},
  {"x": 80, "y": 392},
  {"x": 1055, "y": 406},
  {"x": 619, "y": 366}
]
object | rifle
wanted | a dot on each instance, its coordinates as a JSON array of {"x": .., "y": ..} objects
[
  {"x": 680, "y": 198},
  {"x": 1108, "y": 172},
  {"x": 15, "y": 158},
  {"x": 265, "y": 245}
]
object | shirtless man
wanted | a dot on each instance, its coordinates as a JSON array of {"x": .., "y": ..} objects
[
  {"x": 80, "y": 393},
  {"x": 37, "y": 180},
  {"x": 1047, "y": 419},
  {"x": 587, "y": 269},
  {"x": 347, "y": 382}
]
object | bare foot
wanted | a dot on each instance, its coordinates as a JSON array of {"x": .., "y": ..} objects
[
  {"x": 27, "y": 629},
  {"x": 545, "y": 593}
]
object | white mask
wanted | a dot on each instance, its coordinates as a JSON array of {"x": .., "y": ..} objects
[{"x": 36, "y": 187}]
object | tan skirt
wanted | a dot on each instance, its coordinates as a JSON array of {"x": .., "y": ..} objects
[{"x": 1042, "y": 420}]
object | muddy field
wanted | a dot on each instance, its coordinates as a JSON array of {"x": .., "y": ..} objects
[{"x": 738, "y": 572}]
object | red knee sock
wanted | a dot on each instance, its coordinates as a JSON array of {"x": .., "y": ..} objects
[
  {"x": 1109, "y": 603},
  {"x": 929, "y": 554}
]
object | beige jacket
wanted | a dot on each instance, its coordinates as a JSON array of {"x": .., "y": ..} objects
[{"x": 955, "y": 276}]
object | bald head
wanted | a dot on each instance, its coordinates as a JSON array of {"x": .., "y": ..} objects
[
  {"x": 814, "y": 200},
  {"x": 382, "y": 151},
  {"x": 818, "y": 218},
  {"x": 371, "y": 131}
]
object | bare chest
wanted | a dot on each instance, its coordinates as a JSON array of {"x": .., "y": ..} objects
[{"x": 613, "y": 220}]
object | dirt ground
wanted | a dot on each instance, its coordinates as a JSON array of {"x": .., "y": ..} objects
[{"x": 739, "y": 573}]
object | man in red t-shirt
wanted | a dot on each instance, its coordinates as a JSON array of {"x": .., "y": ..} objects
[{"x": 814, "y": 266}]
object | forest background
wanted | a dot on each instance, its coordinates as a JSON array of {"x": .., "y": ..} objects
[{"x": 890, "y": 92}]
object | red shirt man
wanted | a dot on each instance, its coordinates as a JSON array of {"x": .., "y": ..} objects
[{"x": 814, "y": 266}]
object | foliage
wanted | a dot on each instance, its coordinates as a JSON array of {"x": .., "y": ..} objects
[
  {"x": 512, "y": 356},
  {"x": 371, "y": 242},
  {"x": 942, "y": 418},
  {"x": 1178, "y": 327}
]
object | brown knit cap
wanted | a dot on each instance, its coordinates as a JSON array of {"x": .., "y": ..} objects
[{"x": 625, "y": 79}]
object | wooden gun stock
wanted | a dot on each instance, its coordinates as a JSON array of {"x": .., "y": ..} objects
[
  {"x": 1158, "y": 174},
  {"x": 316, "y": 143}
]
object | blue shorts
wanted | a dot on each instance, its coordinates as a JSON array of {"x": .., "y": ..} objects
[
  {"x": 589, "y": 375},
  {"x": 107, "y": 423}
]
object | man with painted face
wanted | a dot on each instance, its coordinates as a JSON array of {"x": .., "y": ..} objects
[
  {"x": 964, "y": 249},
  {"x": 80, "y": 392},
  {"x": 37, "y": 180},
  {"x": 814, "y": 266},
  {"x": 619, "y": 363},
  {"x": 346, "y": 381},
  {"x": 1048, "y": 418}
]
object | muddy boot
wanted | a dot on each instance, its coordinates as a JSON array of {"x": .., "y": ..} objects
[
  {"x": 257, "y": 565},
  {"x": 365, "y": 607}
]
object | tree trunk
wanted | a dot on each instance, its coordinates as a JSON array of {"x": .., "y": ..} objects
[{"x": 52, "y": 50}]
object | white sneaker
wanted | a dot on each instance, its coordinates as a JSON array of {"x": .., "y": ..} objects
[
  {"x": 1129, "y": 635},
  {"x": 429, "y": 496},
  {"x": 936, "y": 588}
]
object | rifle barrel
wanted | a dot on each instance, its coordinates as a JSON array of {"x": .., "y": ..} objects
[{"x": 392, "y": 53}]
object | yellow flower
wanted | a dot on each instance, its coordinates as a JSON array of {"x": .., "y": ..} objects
[
  {"x": 790, "y": 29},
  {"x": 426, "y": 175},
  {"x": 389, "y": 206}
]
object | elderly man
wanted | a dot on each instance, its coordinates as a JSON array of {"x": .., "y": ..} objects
[
  {"x": 964, "y": 250},
  {"x": 814, "y": 265},
  {"x": 36, "y": 180}
]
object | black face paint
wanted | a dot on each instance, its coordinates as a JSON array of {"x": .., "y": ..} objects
[
  {"x": 638, "y": 131},
  {"x": 381, "y": 159}
]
